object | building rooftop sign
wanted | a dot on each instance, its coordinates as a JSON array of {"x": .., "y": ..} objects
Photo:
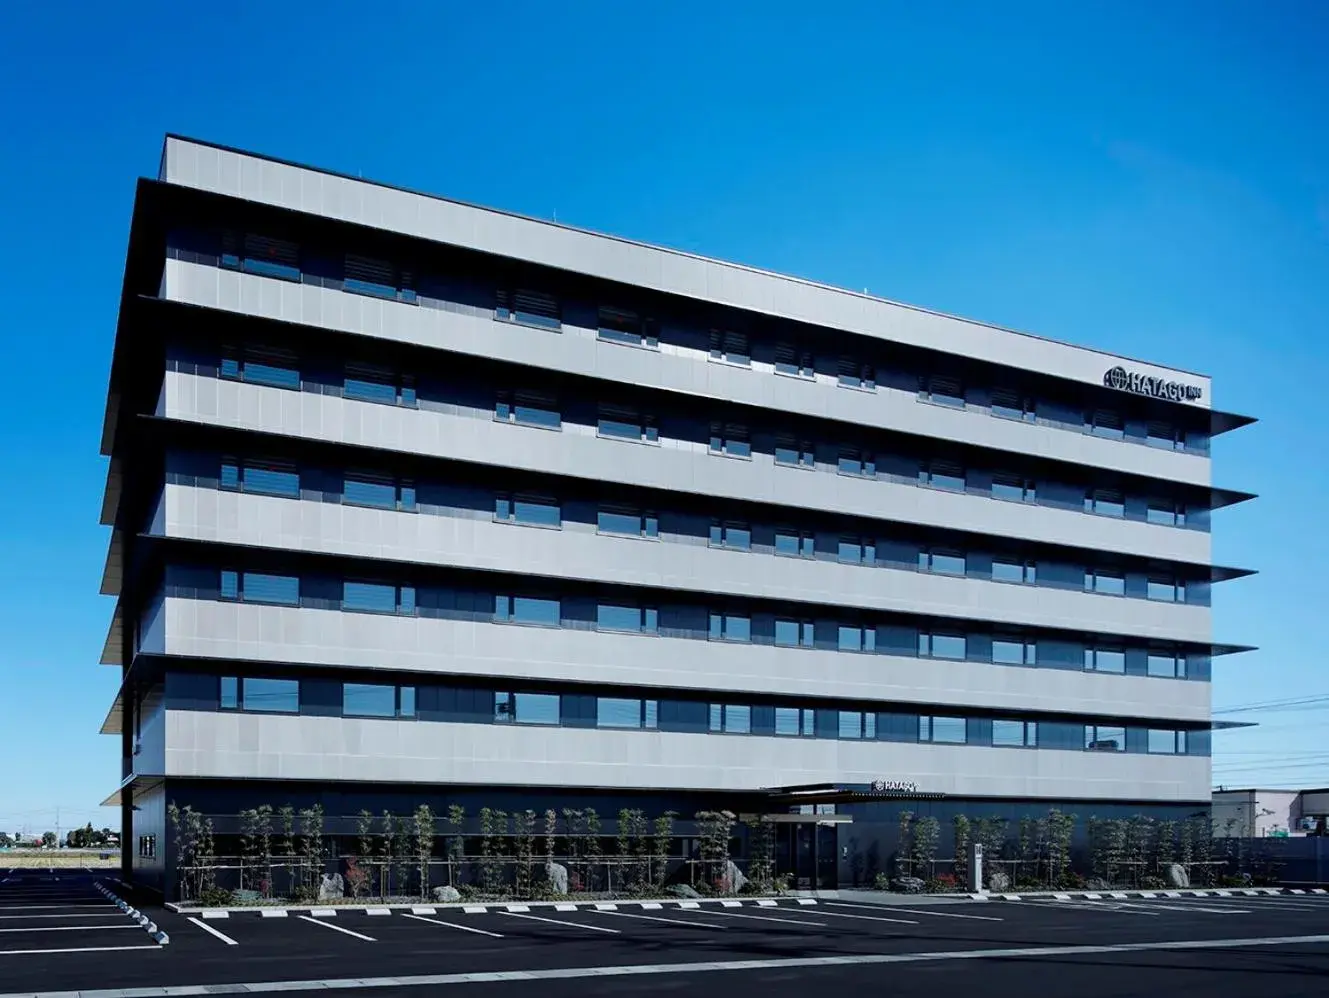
[{"x": 1123, "y": 380}]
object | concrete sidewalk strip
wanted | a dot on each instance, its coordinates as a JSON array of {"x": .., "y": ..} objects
[
  {"x": 454, "y": 925},
  {"x": 337, "y": 928},
  {"x": 555, "y": 921}
]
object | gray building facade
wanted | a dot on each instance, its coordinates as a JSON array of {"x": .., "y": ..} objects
[{"x": 415, "y": 501}]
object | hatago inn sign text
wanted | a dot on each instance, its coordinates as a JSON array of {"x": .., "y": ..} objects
[{"x": 1143, "y": 384}]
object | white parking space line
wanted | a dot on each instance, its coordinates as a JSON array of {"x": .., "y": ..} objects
[
  {"x": 337, "y": 928},
  {"x": 1170, "y": 906},
  {"x": 1258, "y": 903},
  {"x": 671, "y": 921},
  {"x": 211, "y": 931},
  {"x": 763, "y": 918},
  {"x": 454, "y": 925},
  {"x": 1102, "y": 907},
  {"x": 80, "y": 949},
  {"x": 866, "y": 918},
  {"x": 555, "y": 921},
  {"x": 912, "y": 911},
  {"x": 74, "y": 928},
  {"x": 54, "y": 907}
]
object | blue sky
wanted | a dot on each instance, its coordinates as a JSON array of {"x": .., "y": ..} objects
[{"x": 1151, "y": 179}]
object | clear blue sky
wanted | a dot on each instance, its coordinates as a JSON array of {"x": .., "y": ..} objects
[{"x": 1148, "y": 178}]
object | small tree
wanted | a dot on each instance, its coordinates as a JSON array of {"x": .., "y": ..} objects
[
  {"x": 924, "y": 853},
  {"x": 523, "y": 828},
  {"x": 424, "y": 845},
  {"x": 364, "y": 843},
  {"x": 286, "y": 818},
  {"x": 904, "y": 844},
  {"x": 456, "y": 843},
  {"x": 761, "y": 864},
  {"x": 388, "y": 850},
  {"x": 311, "y": 847},
  {"x": 1027, "y": 839},
  {"x": 664, "y": 834},
  {"x": 624, "y": 842},
  {"x": 961, "y": 832}
]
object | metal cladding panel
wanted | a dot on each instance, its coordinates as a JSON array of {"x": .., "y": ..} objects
[
  {"x": 578, "y": 350},
  {"x": 578, "y": 552},
  {"x": 303, "y": 636},
  {"x": 683, "y": 468},
  {"x": 240, "y": 746},
  {"x": 251, "y": 178}
]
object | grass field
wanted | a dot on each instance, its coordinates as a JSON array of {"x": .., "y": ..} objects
[{"x": 58, "y": 859}]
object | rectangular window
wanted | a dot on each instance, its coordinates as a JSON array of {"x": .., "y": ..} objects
[
  {"x": 852, "y": 374},
  {"x": 1165, "y": 514},
  {"x": 369, "y": 490},
  {"x": 1010, "y": 570},
  {"x": 1166, "y": 665},
  {"x": 794, "y": 633},
  {"x": 730, "y": 346},
  {"x": 1012, "y": 405},
  {"x": 616, "y": 617},
  {"x": 733, "y": 718},
  {"x": 527, "y": 708},
  {"x": 368, "y": 700},
  {"x": 262, "y": 366},
  {"x": 1014, "y": 651},
  {"x": 618, "y": 520},
  {"x": 1105, "y": 502},
  {"x": 1165, "y": 742},
  {"x": 1014, "y": 488},
  {"x": 406, "y": 701},
  {"x": 851, "y": 724},
  {"x": 531, "y": 308},
  {"x": 627, "y": 424},
  {"x": 1104, "y": 738},
  {"x": 730, "y": 534},
  {"x": 539, "y": 511},
  {"x": 798, "y": 453},
  {"x": 620, "y": 326},
  {"x": 856, "y": 461},
  {"x": 366, "y": 275},
  {"x": 795, "y": 721},
  {"x": 942, "y": 475},
  {"x": 942, "y": 562},
  {"x": 264, "y": 478},
  {"x": 952, "y": 646},
  {"x": 527, "y": 610},
  {"x": 261, "y": 255},
  {"x": 528, "y": 409},
  {"x": 730, "y": 627},
  {"x": 614, "y": 712},
  {"x": 368, "y": 383},
  {"x": 1107, "y": 583},
  {"x": 857, "y": 551},
  {"x": 794, "y": 543},
  {"x": 1105, "y": 423},
  {"x": 1166, "y": 590},
  {"x": 1015, "y": 734},
  {"x": 230, "y": 693},
  {"x": 261, "y": 587},
  {"x": 1165, "y": 435},
  {"x": 377, "y": 597},
  {"x": 854, "y": 638},
  {"x": 947, "y": 730},
  {"x": 794, "y": 362},
  {"x": 1111, "y": 660},
  {"x": 277, "y": 696},
  {"x": 730, "y": 439},
  {"x": 944, "y": 391}
]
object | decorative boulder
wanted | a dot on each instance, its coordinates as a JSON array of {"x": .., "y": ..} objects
[
  {"x": 908, "y": 885},
  {"x": 734, "y": 879},
  {"x": 999, "y": 881},
  {"x": 681, "y": 891},
  {"x": 446, "y": 895},
  {"x": 331, "y": 887},
  {"x": 1177, "y": 876},
  {"x": 557, "y": 874}
]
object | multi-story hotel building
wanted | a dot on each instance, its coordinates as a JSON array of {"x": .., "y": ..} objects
[{"x": 414, "y": 501}]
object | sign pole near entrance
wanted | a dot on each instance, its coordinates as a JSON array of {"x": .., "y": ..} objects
[{"x": 975, "y": 885}]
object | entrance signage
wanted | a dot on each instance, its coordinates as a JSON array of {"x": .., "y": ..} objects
[
  {"x": 1122, "y": 380},
  {"x": 894, "y": 786}
]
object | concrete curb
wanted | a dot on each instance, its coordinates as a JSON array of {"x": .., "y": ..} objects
[
  {"x": 317, "y": 911},
  {"x": 1207, "y": 892},
  {"x": 138, "y": 916}
]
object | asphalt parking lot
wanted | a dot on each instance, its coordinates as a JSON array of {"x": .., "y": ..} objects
[{"x": 58, "y": 933}]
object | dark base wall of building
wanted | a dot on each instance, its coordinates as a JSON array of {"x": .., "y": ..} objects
[{"x": 817, "y": 857}]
